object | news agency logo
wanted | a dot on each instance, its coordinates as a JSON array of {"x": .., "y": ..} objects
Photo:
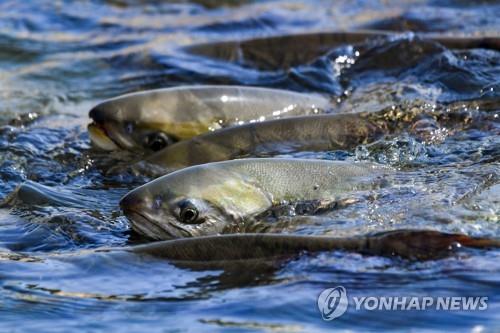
[{"x": 333, "y": 303}]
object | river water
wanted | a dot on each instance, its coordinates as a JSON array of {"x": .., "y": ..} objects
[{"x": 59, "y": 58}]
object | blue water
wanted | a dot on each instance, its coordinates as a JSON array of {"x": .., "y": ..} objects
[{"x": 58, "y": 59}]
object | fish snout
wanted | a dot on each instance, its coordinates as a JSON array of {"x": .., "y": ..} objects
[
  {"x": 132, "y": 202},
  {"x": 97, "y": 114}
]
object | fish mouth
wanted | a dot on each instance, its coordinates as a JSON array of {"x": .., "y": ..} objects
[
  {"x": 109, "y": 136},
  {"x": 148, "y": 227},
  {"x": 100, "y": 138}
]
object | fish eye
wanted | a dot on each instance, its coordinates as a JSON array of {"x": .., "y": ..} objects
[
  {"x": 188, "y": 213},
  {"x": 157, "y": 141}
]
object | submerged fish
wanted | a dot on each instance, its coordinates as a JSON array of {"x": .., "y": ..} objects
[
  {"x": 223, "y": 249},
  {"x": 317, "y": 133},
  {"x": 156, "y": 118},
  {"x": 207, "y": 199},
  {"x": 283, "y": 52},
  {"x": 269, "y": 251}
]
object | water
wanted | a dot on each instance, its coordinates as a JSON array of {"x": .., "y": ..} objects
[{"x": 57, "y": 59}]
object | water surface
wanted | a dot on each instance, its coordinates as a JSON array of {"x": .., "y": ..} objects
[{"x": 58, "y": 59}]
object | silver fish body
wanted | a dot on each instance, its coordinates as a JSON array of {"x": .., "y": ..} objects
[
  {"x": 156, "y": 118},
  {"x": 207, "y": 199},
  {"x": 307, "y": 133}
]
